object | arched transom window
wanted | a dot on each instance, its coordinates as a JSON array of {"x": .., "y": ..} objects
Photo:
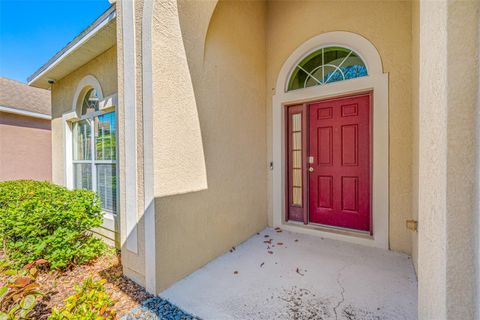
[{"x": 327, "y": 65}]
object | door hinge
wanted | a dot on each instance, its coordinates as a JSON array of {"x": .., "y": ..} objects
[{"x": 412, "y": 225}]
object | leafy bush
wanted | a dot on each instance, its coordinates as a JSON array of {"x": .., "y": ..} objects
[
  {"x": 90, "y": 301},
  {"x": 41, "y": 220},
  {"x": 19, "y": 296}
]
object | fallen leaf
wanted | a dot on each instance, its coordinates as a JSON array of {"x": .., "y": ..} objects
[
  {"x": 233, "y": 248},
  {"x": 280, "y": 243},
  {"x": 22, "y": 281},
  {"x": 261, "y": 265},
  {"x": 296, "y": 240},
  {"x": 298, "y": 271},
  {"x": 235, "y": 272},
  {"x": 41, "y": 261},
  {"x": 266, "y": 236},
  {"x": 33, "y": 272},
  {"x": 271, "y": 252}
]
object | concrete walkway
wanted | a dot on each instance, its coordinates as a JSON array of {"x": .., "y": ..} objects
[{"x": 300, "y": 277}]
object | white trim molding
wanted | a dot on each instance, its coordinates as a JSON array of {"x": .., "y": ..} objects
[
  {"x": 26, "y": 113},
  {"x": 88, "y": 82},
  {"x": 130, "y": 125},
  {"x": 148, "y": 168},
  {"x": 377, "y": 82},
  {"x": 108, "y": 102}
]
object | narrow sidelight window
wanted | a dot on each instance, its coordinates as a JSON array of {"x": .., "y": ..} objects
[{"x": 296, "y": 163}]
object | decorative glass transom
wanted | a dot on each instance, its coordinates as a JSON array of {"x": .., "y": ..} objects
[{"x": 326, "y": 65}]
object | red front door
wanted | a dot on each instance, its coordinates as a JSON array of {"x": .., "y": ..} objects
[{"x": 339, "y": 162}]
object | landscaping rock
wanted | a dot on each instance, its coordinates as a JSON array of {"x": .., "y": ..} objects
[{"x": 158, "y": 309}]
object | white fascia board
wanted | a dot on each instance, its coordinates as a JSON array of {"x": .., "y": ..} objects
[{"x": 25, "y": 113}]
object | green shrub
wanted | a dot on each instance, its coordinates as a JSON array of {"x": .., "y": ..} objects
[
  {"x": 90, "y": 301},
  {"x": 40, "y": 220}
]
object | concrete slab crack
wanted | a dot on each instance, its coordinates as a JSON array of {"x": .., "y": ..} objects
[
  {"x": 339, "y": 303},
  {"x": 342, "y": 292}
]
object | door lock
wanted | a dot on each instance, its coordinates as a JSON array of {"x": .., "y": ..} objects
[{"x": 310, "y": 169}]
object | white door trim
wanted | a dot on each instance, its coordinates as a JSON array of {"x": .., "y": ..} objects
[{"x": 376, "y": 81}]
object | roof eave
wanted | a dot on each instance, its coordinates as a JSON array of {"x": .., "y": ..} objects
[
  {"x": 26, "y": 113},
  {"x": 74, "y": 45}
]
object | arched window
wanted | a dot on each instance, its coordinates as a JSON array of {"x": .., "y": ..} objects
[
  {"x": 94, "y": 149},
  {"x": 327, "y": 65}
]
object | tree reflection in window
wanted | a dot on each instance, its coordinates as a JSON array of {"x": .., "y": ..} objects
[
  {"x": 327, "y": 65},
  {"x": 95, "y": 151}
]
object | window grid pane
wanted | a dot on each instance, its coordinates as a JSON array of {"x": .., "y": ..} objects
[
  {"x": 82, "y": 176},
  {"x": 82, "y": 140},
  {"x": 107, "y": 186},
  {"x": 105, "y": 137},
  {"x": 327, "y": 65},
  {"x": 98, "y": 173},
  {"x": 296, "y": 154}
]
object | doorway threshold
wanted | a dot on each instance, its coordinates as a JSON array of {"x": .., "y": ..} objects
[{"x": 321, "y": 231}]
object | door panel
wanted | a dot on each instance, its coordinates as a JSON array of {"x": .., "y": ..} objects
[{"x": 339, "y": 177}]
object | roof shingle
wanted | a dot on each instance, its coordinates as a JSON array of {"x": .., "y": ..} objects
[{"x": 20, "y": 96}]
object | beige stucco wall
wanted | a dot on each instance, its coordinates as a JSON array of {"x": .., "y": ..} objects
[
  {"x": 415, "y": 122},
  {"x": 25, "y": 148},
  {"x": 228, "y": 76},
  {"x": 104, "y": 68},
  {"x": 387, "y": 25},
  {"x": 448, "y": 109}
]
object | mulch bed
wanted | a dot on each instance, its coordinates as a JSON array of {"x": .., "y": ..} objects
[{"x": 57, "y": 285}]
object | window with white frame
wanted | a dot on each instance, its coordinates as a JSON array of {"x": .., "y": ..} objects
[
  {"x": 94, "y": 151},
  {"x": 326, "y": 65}
]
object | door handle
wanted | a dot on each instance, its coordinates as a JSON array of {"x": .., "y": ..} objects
[{"x": 310, "y": 169}]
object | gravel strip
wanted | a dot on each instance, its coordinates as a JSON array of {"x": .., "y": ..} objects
[{"x": 158, "y": 309}]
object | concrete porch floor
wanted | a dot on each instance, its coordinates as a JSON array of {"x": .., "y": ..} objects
[{"x": 304, "y": 277}]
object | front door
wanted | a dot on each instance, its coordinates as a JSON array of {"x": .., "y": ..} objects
[{"x": 339, "y": 163}]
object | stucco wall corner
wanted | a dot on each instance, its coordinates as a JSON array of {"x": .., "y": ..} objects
[{"x": 179, "y": 162}]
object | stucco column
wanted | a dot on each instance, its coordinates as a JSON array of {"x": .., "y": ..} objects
[{"x": 448, "y": 88}]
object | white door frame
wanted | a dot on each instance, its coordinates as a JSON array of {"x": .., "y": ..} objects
[{"x": 377, "y": 82}]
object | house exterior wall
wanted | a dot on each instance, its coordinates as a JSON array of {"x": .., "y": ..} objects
[
  {"x": 228, "y": 75},
  {"x": 25, "y": 148},
  {"x": 104, "y": 68},
  {"x": 133, "y": 263},
  {"x": 448, "y": 151},
  {"x": 387, "y": 25},
  {"x": 415, "y": 123}
]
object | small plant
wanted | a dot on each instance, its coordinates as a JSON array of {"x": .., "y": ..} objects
[
  {"x": 41, "y": 220},
  {"x": 19, "y": 296},
  {"x": 90, "y": 302}
]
